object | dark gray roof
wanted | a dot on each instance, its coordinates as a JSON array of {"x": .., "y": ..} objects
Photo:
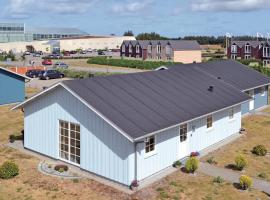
[
  {"x": 232, "y": 72},
  {"x": 175, "y": 44},
  {"x": 254, "y": 44},
  {"x": 146, "y": 102}
]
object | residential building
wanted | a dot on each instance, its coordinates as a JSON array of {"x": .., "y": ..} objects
[
  {"x": 12, "y": 87},
  {"x": 184, "y": 51},
  {"x": 129, "y": 127},
  {"x": 240, "y": 77},
  {"x": 250, "y": 50}
]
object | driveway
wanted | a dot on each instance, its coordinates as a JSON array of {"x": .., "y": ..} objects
[{"x": 40, "y": 84}]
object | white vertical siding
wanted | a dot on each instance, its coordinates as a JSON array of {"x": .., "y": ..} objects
[
  {"x": 104, "y": 151},
  {"x": 168, "y": 144}
]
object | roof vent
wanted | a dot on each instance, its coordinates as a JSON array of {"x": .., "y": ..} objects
[{"x": 211, "y": 88}]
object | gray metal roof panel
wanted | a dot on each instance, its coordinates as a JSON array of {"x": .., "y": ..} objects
[{"x": 146, "y": 102}]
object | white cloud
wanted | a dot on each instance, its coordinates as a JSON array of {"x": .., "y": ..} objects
[
  {"x": 131, "y": 6},
  {"x": 229, "y": 5},
  {"x": 27, "y": 8}
]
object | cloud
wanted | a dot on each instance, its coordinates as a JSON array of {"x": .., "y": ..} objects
[
  {"x": 229, "y": 5},
  {"x": 27, "y": 8},
  {"x": 131, "y": 6}
]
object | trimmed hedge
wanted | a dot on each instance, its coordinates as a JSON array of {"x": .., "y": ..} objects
[
  {"x": 137, "y": 64},
  {"x": 9, "y": 170}
]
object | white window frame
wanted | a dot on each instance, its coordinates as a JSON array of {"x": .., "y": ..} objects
[
  {"x": 234, "y": 48},
  {"x": 137, "y": 48},
  {"x": 247, "y": 57},
  {"x": 130, "y": 48},
  {"x": 159, "y": 49},
  {"x": 247, "y": 48},
  {"x": 151, "y": 152},
  {"x": 233, "y": 57},
  {"x": 266, "y": 52},
  {"x": 212, "y": 122},
  {"x": 262, "y": 91},
  {"x": 124, "y": 48},
  {"x": 168, "y": 50},
  {"x": 69, "y": 142},
  {"x": 183, "y": 132},
  {"x": 149, "y": 48}
]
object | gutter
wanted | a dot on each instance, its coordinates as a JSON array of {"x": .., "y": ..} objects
[{"x": 136, "y": 160}]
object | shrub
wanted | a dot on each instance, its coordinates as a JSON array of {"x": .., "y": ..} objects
[
  {"x": 61, "y": 168},
  {"x": 259, "y": 150},
  {"x": 211, "y": 161},
  {"x": 218, "y": 180},
  {"x": 192, "y": 164},
  {"x": 12, "y": 138},
  {"x": 245, "y": 182},
  {"x": 139, "y": 64},
  {"x": 240, "y": 162},
  {"x": 8, "y": 170},
  {"x": 262, "y": 175},
  {"x": 177, "y": 163}
]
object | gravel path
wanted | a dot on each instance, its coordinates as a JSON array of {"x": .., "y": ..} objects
[{"x": 232, "y": 176}]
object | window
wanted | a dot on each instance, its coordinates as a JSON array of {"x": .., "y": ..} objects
[
  {"x": 130, "y": 48},
  {"x": 150, "y": 144},
  {"x": 123, "y": 48},
  {"x": 266, "y": 62},
  {"x": 247, "y": 48},
  {"x": 168, "y": 50},
  {"x": 158, "y": 49},
  {"x": 137, "y": 49},
  {"x": 233, "y": 56},
  {"x": 183, "y": 132},
  {"x": 262, "y": 91},
  {"x": 247, "y": 57},
  {"x": 266, "y": 52},
  {"x": 234, "y": 48},
  {"x": 169, "y": 58},
  {"x": 69, "y": 141},
  {"x": 158, "y": 57},
  {"x": 231, "y": 113},
  {"x": 149, "y": 48},
  {"x": 209, "y": 121}
]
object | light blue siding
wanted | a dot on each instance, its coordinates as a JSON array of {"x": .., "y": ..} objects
[
  {"x": 169, "y": 148},
  {"x": 11, "y": 88},
  {"x": 104, "y": 151},
  {"x": 259, "y": 100}
]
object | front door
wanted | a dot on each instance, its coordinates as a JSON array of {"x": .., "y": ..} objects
[
  {"x": 251, "y": 103},
  {"x": 69, "y": 147},
  {"x": 184, "y": 148}
]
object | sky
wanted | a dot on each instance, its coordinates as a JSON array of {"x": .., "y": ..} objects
[{"x": 171, "y": 18}]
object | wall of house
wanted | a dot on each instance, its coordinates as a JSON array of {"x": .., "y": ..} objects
[
  {"x": 18, "y": 47},
  {"x": 187, "y": 56},
  {"x": 259, "y": 100},
  {"x": 11, "y": 88},
  {"x": 104, "y": 151},
  {"x": 169, "y": 149}
]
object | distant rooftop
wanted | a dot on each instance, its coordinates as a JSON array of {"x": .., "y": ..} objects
[{"x": 54, "y": 30}]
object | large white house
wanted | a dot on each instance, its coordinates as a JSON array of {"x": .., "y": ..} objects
[{"x": 129, "y": 127}]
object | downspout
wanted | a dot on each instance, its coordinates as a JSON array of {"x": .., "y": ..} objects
[{"x": 136, "y": 160}]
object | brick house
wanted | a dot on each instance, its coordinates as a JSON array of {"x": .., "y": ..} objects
[
  {"x": 249, "y": 50},
  {"x": 184, "y": 51}
]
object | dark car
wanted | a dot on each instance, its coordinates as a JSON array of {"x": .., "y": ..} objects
[
  {"x": 55, "y": 56},
  {"x": 101, "y": 53},
  {"x": 34, "y": 73},
  {"x": 51, "y": 74}
]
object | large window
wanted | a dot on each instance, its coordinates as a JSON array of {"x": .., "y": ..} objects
[
  {"x": 150, "y": 144},
  {"x": 247, "y": 57},
  {"x": 209, "y": 121},
  {"x": 158, "y": 49},
  {"x": 130, "y": 48},
  {"x": 266, "y": 52},
  {"x": 137, "y": 49},
  {"x": 123, "y": 48},
  {"x": 233, "y": 56},
  {"x": 69, "y": 141},
  {"x": 183, "y": 132},
  {"x": 234, "y": 48},
  {"x": 247, "y": 48},
  {"x": 149, "y": 48}
]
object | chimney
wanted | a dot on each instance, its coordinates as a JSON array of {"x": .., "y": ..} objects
[{"x": 211, "y": 88}]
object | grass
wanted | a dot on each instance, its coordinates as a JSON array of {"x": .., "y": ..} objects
[{"x": 258, "y": 129}]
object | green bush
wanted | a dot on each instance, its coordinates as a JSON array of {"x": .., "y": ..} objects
[
  {"x": 139, "y": 64},
  {"x": 8, "y": 170},
  {"x": 192, "y": 164},
  {"x": 240, "y": 162},
  {"x": 259, "y": 150},
  {"x": 211, "y": 161},
  {"x": 61, "y": 168},
  {"x": 245, "y": 182},
  {"x": 177, "y": 163},
  {"x": 218, "y": 180}
]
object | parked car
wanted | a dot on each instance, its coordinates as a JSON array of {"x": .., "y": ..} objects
[
  {"x": 55, "y": 56},
  {"x": 47, "y": 62},
  {"x": 73, "y": 52},
  {"x": 39, "y": 52},
  {"x": 101, "y": 53},
  {"x": 36, "y": 55},
  {"x": 60, "y": 65},
  {"x": 66, "y": 53},
  {"x": 26, "y": 53},
  {"x": 34, "y": 73},
  {"x": 51, "y": 74},
  {"x": 89, "y": 50},
  {"x": 83, "y": 52}
]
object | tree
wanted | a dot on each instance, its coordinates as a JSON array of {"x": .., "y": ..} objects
[
  {"x": 128, "y": 33},
  {"x": 150, "y": 36}
]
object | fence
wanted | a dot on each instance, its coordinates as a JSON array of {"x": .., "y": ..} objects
[{"x": 23, "y": 70}]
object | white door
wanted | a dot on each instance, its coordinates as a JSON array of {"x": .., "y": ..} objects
[
  {"x": 251, "y": 103},
  {"x": 184, "y": 147}
]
